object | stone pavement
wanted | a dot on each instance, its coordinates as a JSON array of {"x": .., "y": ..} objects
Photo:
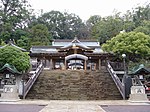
[{"x": 74, "y": 106}]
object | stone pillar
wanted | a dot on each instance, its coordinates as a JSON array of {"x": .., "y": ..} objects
[
  {"x": 85, "y": 65},
  {"x": 51, "y": 64},
  {"x": 96, "y": 65},
  {"x": 21, "y": 89},
  {"x": 18, "y": 80},
  {"x": 65, "y": 64},
  {"x": 54, "y": 62},
  {"x": 45, "y": 62},
  {"x": 99, "y": 63}
]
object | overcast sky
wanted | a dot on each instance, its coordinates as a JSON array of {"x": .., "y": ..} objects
[{"x": 87, "y": 8}]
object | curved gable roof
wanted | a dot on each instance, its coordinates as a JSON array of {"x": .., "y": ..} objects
[
  {"x": 76, "y": 56},
  {"x": 11, "y": 44},
  {"x": 139, "y": 69},
  {"x": 75, "y": 43},
  {"x": 10, "y": 68}
]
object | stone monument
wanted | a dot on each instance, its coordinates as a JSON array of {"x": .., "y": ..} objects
[{"x": 138, "y": 94}]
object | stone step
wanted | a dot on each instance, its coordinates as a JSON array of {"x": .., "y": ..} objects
[{"x": 74, "y": 85}]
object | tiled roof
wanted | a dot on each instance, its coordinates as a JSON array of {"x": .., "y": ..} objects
[
  {"x": 68, "y": 40},
  {"x": 10, "y": 68},
  {"x": 67, "y": 45},
  {"x": 43, "y": 49},
  {"x": 11, "y": 44},
  {"x": 139, "y": 69}
]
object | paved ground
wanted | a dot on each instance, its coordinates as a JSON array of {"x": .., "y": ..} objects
[
  {"x": 126, "y": 108},
  {"x": 75, "y": 106},
  {"x": 20, "y": 108}
]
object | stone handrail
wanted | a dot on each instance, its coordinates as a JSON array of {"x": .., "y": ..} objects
[
  {"x": 116, "y": 79},
  {"x": 27, "y": 86}
]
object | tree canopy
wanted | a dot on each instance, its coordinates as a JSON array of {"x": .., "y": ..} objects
[
  {"x": 107, "y": 28},
  {"x": 135, "y": 20},
  {"x": 14, "y": 14},
  {"x": 134, "y": 45},
  {"x": 40, "y": 35},
  {"x": 19, "y": 23},
  {"x": 62, "y": 25},
  {"x": 15, "y": 57},
  {"x": 144, "y": 27}
]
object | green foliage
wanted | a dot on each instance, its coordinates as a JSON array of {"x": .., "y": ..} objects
[
  {"x": 63, "y": 25},
  {"x": 128, "y": 24},
  {"x": 24, "y": 42},
  {"x": 135, "y": 45},
  {"x": 5, "y": 35},
  {"x": 140, "y": 14},
  {"x": 18, "y": 33},
  {"x": 18, "y": 22},
  {"x": 93, "y": 20},
  {"x": 40, "y": 35},
  {"x": 145, "y": 28},
  {"x": 2, "y": 42},
  {"x": 107, "y": 28},
  {"x": 14, "y": 57},
  {"x": 14, "y": 14}
]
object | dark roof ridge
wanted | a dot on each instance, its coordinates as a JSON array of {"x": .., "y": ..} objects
[{"x": 70, "y": 40}]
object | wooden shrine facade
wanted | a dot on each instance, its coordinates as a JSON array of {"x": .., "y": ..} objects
[{"x": 70, "y": 54}]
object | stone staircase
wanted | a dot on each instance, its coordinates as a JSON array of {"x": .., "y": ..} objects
[{"x": 74, "y": 85}]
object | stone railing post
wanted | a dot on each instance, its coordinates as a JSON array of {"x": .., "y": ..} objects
[{"x": 21, "y": 89}]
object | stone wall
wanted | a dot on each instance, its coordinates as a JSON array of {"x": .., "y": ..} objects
[{"x": 74, "y": 85}]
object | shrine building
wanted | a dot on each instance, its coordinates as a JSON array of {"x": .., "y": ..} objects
[{"x": 70, "y": 54}]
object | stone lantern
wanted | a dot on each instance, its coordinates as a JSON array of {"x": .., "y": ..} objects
[{"x": 10, "y": 79}]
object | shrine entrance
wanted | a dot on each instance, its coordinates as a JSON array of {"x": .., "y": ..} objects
[
  {"x": 71, "y": 54},
  {"x": 76, "y": 62}
]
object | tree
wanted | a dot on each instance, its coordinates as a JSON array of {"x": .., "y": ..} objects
[
  {"x": 54, "y": 21},
  {"x": 107, "y": 28},
  {"x": 92, "y": 21},
  {"x": 13, "y": 14},
  {"x": 134, "y": 45},
  {"x": 63, "y": 25},
  {"x": 140, "y": 14},
  {"x": 75, "y": 26},
  {"x": 128, "y": 24},
  {"x": 145, "y": 28},
  {"x": 2, "y": 42},
  {"x": 18, "y": 33},
  {"x": 24, "y": 42},
  {"x": 15, "y": 57},
  {"x": 40, "y": 35},
  {"x": 104, "y": 29}
]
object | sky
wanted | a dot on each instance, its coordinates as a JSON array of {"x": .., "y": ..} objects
[{"x": 86, "y": 8}]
